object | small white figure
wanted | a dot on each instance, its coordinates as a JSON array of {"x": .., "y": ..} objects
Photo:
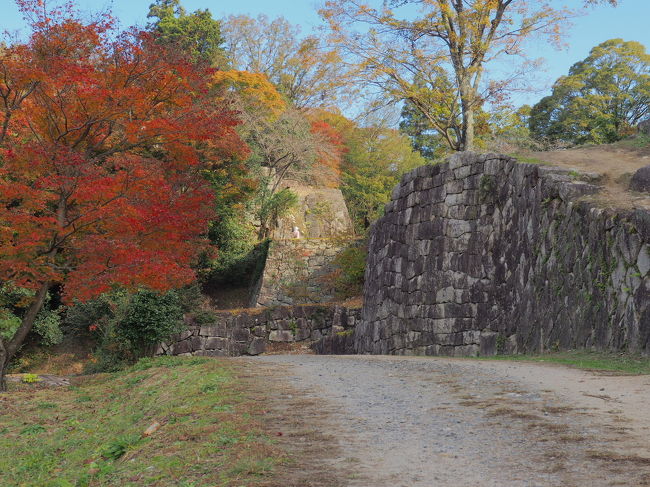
[{"x": 296, "y": 232}]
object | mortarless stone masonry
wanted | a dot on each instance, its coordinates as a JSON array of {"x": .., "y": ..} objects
[
  {"x": 249, "y": 333},
  {"x": 296, "y": 272},
  {"x": 482, "y": 254}
]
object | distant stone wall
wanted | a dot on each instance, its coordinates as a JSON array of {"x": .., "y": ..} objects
[
  {"x": 482, "y": 254},
  {"x": 296, "y": 270},
  {"x": 249, "y": 333},
  {"x": 320, "y": 213}
]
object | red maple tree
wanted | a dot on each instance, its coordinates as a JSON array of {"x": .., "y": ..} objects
[{"x": 103, "y": 140}]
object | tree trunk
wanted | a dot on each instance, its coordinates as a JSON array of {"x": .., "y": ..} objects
[
  {"x": 9, "y": 349},
  {"x": 4, "y": 363},
  {"x": 467, "y": 111},
  {"x": 468, "y": 129}
]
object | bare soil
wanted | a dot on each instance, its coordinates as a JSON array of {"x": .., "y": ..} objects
[
  {"x": 411, "y": 422},
  {"x": 614, "y": 163}
]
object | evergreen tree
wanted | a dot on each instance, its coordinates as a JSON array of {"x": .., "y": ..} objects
[
  {"x": 197, "y": 33},
  {"x": 601, "y": 99}
]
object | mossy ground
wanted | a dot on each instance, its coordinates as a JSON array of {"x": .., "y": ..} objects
[{"x": 91, "y": 434}]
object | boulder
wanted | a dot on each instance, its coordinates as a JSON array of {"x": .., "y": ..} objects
[{"x": 641, "y": 180}]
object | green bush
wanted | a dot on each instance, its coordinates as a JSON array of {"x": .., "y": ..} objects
[
  {"x": 238, "y": 252},
  {"x": 118, "y": 447},
  {"x": 129, "y": 326},
  {"x": 350, "y": 267},
  {"x": 13, "y": 301},
  {"x": 148, "y": 319}
]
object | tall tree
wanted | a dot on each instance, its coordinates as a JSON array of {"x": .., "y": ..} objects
[
  {"x": 424, "y": 137},
  {"x": 307, "y": 72},
  {"x": 436, "y": 60},
  {"x": 198, "y": 34},
  {"x": 103, "y": 146},
  {"x": 374, "y": 160},
  {"x": 601, "y": 99},
  {"x": 281, "y": 138}
]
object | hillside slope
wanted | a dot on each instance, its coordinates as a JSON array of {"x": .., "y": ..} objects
[{"x": 614, "y": 164}]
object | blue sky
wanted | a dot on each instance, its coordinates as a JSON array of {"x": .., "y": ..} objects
[{"x": 629, "y": 21}]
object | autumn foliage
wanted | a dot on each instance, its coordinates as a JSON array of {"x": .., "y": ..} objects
[
  {"x": 102, "y": 150},
  {"x": 104, "y": 138},
  {"x": 330, "y": 153}
]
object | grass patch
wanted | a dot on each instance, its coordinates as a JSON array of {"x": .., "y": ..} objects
[
  {"x": 616, "y": 458},
  {"x": 92, "y": 434},
  {"x": 601, "y": 361},
  {"x": 639, "y": 141},
  {"x": 528, "y": 160}
]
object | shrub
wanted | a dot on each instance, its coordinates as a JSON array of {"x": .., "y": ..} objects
[
  {"x": 148, "y": 319},
  {"x": 12, "y": 307},
  {"x": 348, "y": 275},
  {"x": 129, "y": 326},
  {"x": 31, "y": 378}
]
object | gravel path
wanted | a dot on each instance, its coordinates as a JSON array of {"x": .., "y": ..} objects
[{"x": 404, "y": 421}]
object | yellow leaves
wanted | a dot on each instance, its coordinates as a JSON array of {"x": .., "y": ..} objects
[{"x": 255, "y": 88}]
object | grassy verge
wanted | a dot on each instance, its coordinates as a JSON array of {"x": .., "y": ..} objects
[
  {"x": 528, "y": 159},
  {"x": 621, "y": 363},
  {"x": 92, "y": 434}
]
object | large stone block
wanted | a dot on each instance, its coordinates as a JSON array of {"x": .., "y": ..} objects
[
  {"x": 216, "y": 343},
  {"x": 257, "y": 346},
  {"x": 641, "y": 180}
]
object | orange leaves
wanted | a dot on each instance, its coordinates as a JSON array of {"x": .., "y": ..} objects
[
  {"x": 101, "y": 162},
  {"x": 254, "y": 88},
  {"x": 331, "y": 150}
]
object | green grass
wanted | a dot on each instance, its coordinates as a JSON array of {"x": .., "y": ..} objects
[
  {"x": 611, "y": 362},
  {"x": 639, "y": 141},
  {"x": 528, "y": 159},
  {"x": 91, "y": 434}
]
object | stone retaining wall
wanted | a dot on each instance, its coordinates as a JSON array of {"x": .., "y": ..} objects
[
  {"x": 296, "y": 272},
  {"x": 482, "y": 254},
  {"x": 249, "y": 333}
]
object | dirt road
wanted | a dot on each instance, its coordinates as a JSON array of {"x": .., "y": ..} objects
[{"x": 411, "y": 422}]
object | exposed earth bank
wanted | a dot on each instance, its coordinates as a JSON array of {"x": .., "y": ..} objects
[{"x": 396, "y": 421}]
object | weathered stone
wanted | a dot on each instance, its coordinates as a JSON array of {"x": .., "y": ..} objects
[
  {"x": 197, "y": 343},
  {"x": 513, "y": 266},
  {"x": 281, "y": 336},
  {"x": 241, "y": 333},
  {"x": 248, "y": 333},
  {"x": 257, "y": 346},
  {"x": 294, "y": 271},
  {"x": 214, "y": 343},
  {"x": 643, "y": 262},
  {"x": 641, "y": 180},
  {"x": 181, "y": 347}
]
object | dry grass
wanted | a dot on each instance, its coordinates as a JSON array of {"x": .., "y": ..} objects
[
  {"x": 557, "y": 409},
  {"x": 512, "y": 413},
  {"x": 612, "y": 457},
  {"x": 301, "y": 421}
]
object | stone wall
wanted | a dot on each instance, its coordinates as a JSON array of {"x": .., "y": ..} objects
[
  {"x": 249, "y": 333},
  {"x": 482, "y": 254},
  {"x": 296, "y": 269},
  {"x": 296, "y": 272},
  {"x": 320, "y": 213}
]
